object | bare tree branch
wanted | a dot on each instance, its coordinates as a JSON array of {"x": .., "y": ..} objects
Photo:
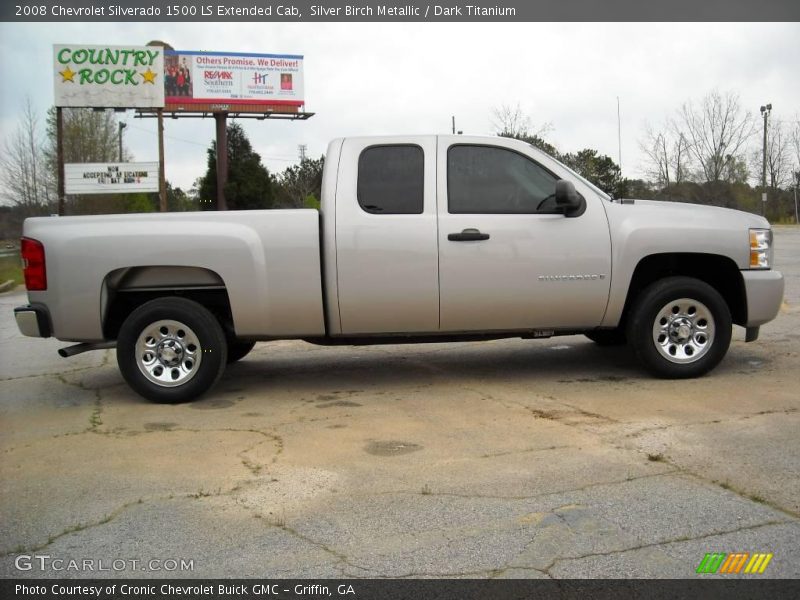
[
  {"x": 511, "y": 121},
  {"x": 717, "y": 131},
  {"x": 26, "y": 180},
  {"x": 666, "y": 152}
]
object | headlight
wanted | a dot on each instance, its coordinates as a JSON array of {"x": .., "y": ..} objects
[{"x": 760, "y": 248}]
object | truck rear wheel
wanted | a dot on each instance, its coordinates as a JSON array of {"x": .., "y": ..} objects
[
  {"x": 680, "y": 327},
  {"x": 171, "y": 350}
]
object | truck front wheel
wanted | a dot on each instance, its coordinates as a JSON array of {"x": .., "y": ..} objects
[
  {"x": 171, "y": 350},
  {"x": 680, "y": 327}
]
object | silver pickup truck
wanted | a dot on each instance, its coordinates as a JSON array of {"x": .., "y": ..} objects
[{"x": 419, "y": 239}]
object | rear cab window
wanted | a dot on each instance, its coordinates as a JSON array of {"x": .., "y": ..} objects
[{"x": 391, "y": 179}]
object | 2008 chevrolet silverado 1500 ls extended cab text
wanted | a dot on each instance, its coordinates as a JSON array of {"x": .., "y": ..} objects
[{"x": 419, "y": 238}]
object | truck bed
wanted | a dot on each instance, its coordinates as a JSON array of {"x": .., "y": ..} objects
[{"x": 267, "y": 261}]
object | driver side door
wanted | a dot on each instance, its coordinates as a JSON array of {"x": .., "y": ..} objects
[{"x": 508, "y": 259}]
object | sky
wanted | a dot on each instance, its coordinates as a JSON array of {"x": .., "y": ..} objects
[{"x": 398, "y": 78}]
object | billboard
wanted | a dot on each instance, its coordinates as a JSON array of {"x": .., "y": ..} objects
[
  {"x": 231, "y": 81},
  {"x": 108, "y": 76},
  {"x": 110, "y": 178}
]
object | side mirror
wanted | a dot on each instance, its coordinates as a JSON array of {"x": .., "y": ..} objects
[{"x": 568, "y": 198}]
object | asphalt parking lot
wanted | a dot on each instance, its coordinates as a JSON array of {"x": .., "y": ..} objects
[{"x": 514, "y": 458}]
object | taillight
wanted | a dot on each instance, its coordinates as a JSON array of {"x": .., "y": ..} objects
[{"x": 33, "y": 266}]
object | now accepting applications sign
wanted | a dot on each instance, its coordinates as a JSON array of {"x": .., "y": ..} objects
[
  {"x": 108, "y": 76},
  {"x": 110, "y": 178}
]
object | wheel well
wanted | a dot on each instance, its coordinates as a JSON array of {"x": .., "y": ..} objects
[
  {"x": 720, "y": 272},
  {"x": 124, "y": 290}
]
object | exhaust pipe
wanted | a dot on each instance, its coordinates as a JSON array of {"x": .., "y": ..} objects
[{"x": 85, "y": 347}]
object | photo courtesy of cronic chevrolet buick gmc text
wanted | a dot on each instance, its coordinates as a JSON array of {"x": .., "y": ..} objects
[{"x": 419, "y": 238}]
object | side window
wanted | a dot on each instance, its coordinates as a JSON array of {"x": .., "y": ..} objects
[
  {"x": 390, "y": 180},
  {"x": 487, "y": 179}
]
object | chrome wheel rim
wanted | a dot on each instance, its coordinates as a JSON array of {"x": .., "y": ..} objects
[
  {"x": 683, "y": 331},
  {"x": 168, "y": 353}
]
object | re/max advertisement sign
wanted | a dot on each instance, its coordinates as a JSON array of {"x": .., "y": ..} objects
[{"x": 232, "y": 78}]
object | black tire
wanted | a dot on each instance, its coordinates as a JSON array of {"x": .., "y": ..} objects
[
  {"x": 680, "y": 327},
  {"x": 179, "y": 336},
  {"x": 238, "y": 350},
  {"x": 608, "y": 337}
]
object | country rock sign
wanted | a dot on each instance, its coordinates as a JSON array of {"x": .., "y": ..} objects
[
  {"x": 108, "y": 76},
  {"x": 126, "y": 62}
]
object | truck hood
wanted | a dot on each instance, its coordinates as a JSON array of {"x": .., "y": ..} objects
[
  {"x": 699, "y": 214},
  {"x": 644, "y": 227}
]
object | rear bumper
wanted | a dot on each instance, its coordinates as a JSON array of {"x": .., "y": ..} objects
[
  {"x": 33, "y": 320},
  {"x": 764, "y": 291}
]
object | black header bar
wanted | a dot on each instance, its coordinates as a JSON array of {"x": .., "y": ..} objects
[
  {"x": 396, "y": 589},
  {"x": 408, "y": 11}
]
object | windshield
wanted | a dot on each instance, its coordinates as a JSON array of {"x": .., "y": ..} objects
[{"x": 582, "y": 178}]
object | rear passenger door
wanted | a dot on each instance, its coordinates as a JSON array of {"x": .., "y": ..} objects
[{"x": 386, "y": 236}]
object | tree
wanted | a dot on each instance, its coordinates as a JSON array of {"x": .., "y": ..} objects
[
  {"x": 779, "y": 159},
  {"x": 89, "y": 136},
  {"x": 735, "y": 170},
  {"x": 667, "y": 153},
  {"x": 178, "y": 200},
  {"x": 511, "y": 122},
  {"x": 600, "y": 169},
  {"x": 27, "y": 182},
  {"x": 717, "y": 130},
  {"x": 249, "y": 184},
  {"x": 299, "y": 182},
  {"x": 795, "y": 142}
]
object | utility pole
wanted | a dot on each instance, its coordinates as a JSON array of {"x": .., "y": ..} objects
[
  {"x": 60, "y": 158},
  {"x": 162, "y": 178},
  {"x": 454, "y": 124},
  {"x": 119, "y": 137},
  {"x": 222, "y": 158},
  {"x": 796, "y": 184},
  {"x": 765, "y": 110},
  {"x": 302, "y": 150}
]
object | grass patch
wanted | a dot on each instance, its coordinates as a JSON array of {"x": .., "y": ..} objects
[
  {"x": 655, "y": 457},
  {"x": 11, "y": 268}
]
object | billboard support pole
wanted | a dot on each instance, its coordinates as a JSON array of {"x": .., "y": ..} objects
[
  {"x": 222, "y": 158},
  {"x": 60, "y": 158},
  {"x": 162, "y": 180}
]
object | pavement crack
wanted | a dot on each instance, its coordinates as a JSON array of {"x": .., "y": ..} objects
[
  {"x": 565, "y": 417},
  {"x": 677, "y": 540},
  {"x": 75, "y": 529},
  {"x": 678, "y": 469},
  {"x": 525, "y": 451},
  {"x": 780, "y": 411},
  {"x": 430, "y": 493},
  {"x": 20, "y": 549},
  {"x": 339, "y": 556}
]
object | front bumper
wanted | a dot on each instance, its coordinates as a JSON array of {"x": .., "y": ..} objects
[
  {"x": 764, "y": 292},
  {"x": 33, "y": 320}
]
